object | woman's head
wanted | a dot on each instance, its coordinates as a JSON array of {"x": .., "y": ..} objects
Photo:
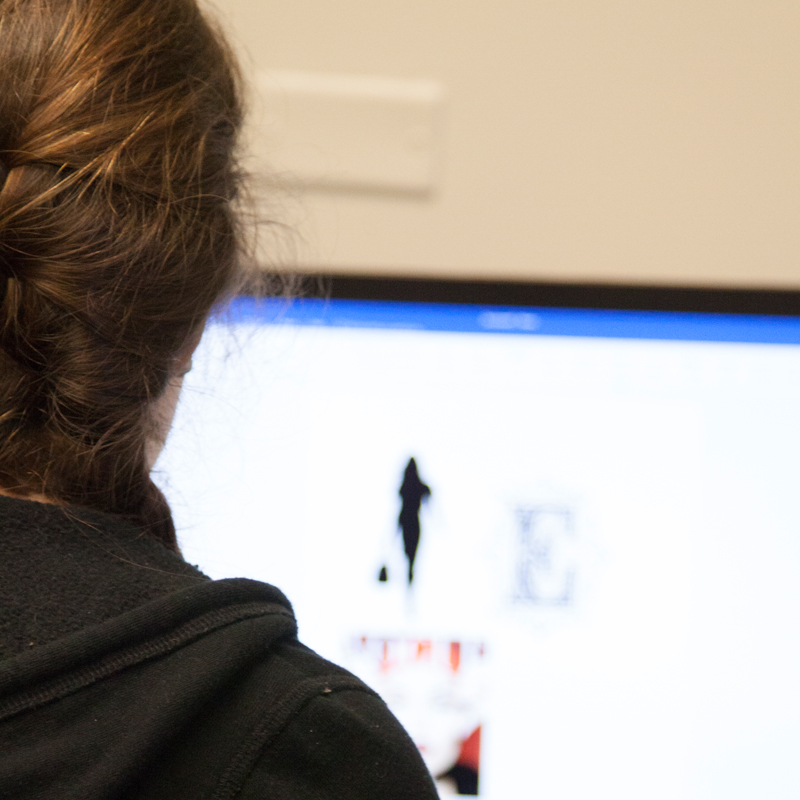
[{"x": 118, "y": 123}]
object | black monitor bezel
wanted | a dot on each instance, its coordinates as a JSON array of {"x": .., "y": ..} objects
[{"x": 777, "y": 302}]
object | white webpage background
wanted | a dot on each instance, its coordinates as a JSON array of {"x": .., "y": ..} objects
[{"x": 672, "y": 673}]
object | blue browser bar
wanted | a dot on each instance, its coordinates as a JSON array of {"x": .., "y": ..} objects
[{"x": 533, "y": 321}]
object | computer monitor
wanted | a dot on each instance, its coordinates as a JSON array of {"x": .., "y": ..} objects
[{"x": 557, "y": 528}]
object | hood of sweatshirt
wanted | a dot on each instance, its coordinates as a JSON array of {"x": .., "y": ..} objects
[
  {"x": 119, "y": 657},
  {"x": 126, "y": 674}
]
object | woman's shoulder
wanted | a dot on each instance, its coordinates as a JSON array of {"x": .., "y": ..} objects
[
  {"x": 192, "y": 687},
  {"x": 202, "y": 692},
  {"x": 295, "y": 725},
  {"x": 325, "y": 734}
]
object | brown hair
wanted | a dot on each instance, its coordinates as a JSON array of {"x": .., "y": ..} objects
[{"x": 118, "y": 126}]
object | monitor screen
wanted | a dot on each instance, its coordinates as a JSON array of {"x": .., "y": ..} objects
[{"x": 562, "y": 543}]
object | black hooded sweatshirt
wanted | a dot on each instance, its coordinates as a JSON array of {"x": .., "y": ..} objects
[{"x": 126, "y": 673}]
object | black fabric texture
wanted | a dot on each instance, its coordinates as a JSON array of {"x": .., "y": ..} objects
[{"x": 126, "y": 673}]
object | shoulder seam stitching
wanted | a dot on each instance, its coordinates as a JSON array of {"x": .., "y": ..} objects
[
  {"x": 62, "y": 686},
  {"x": 274, "y": 721}
]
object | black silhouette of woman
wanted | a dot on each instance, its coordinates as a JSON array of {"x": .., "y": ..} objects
[{"x": 413, "y": 491}]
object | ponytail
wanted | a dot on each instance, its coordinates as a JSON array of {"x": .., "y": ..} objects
[{"x": 118, "y": 127}]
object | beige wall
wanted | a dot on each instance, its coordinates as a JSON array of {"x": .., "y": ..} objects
[{"x": 647, "y": 141}]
